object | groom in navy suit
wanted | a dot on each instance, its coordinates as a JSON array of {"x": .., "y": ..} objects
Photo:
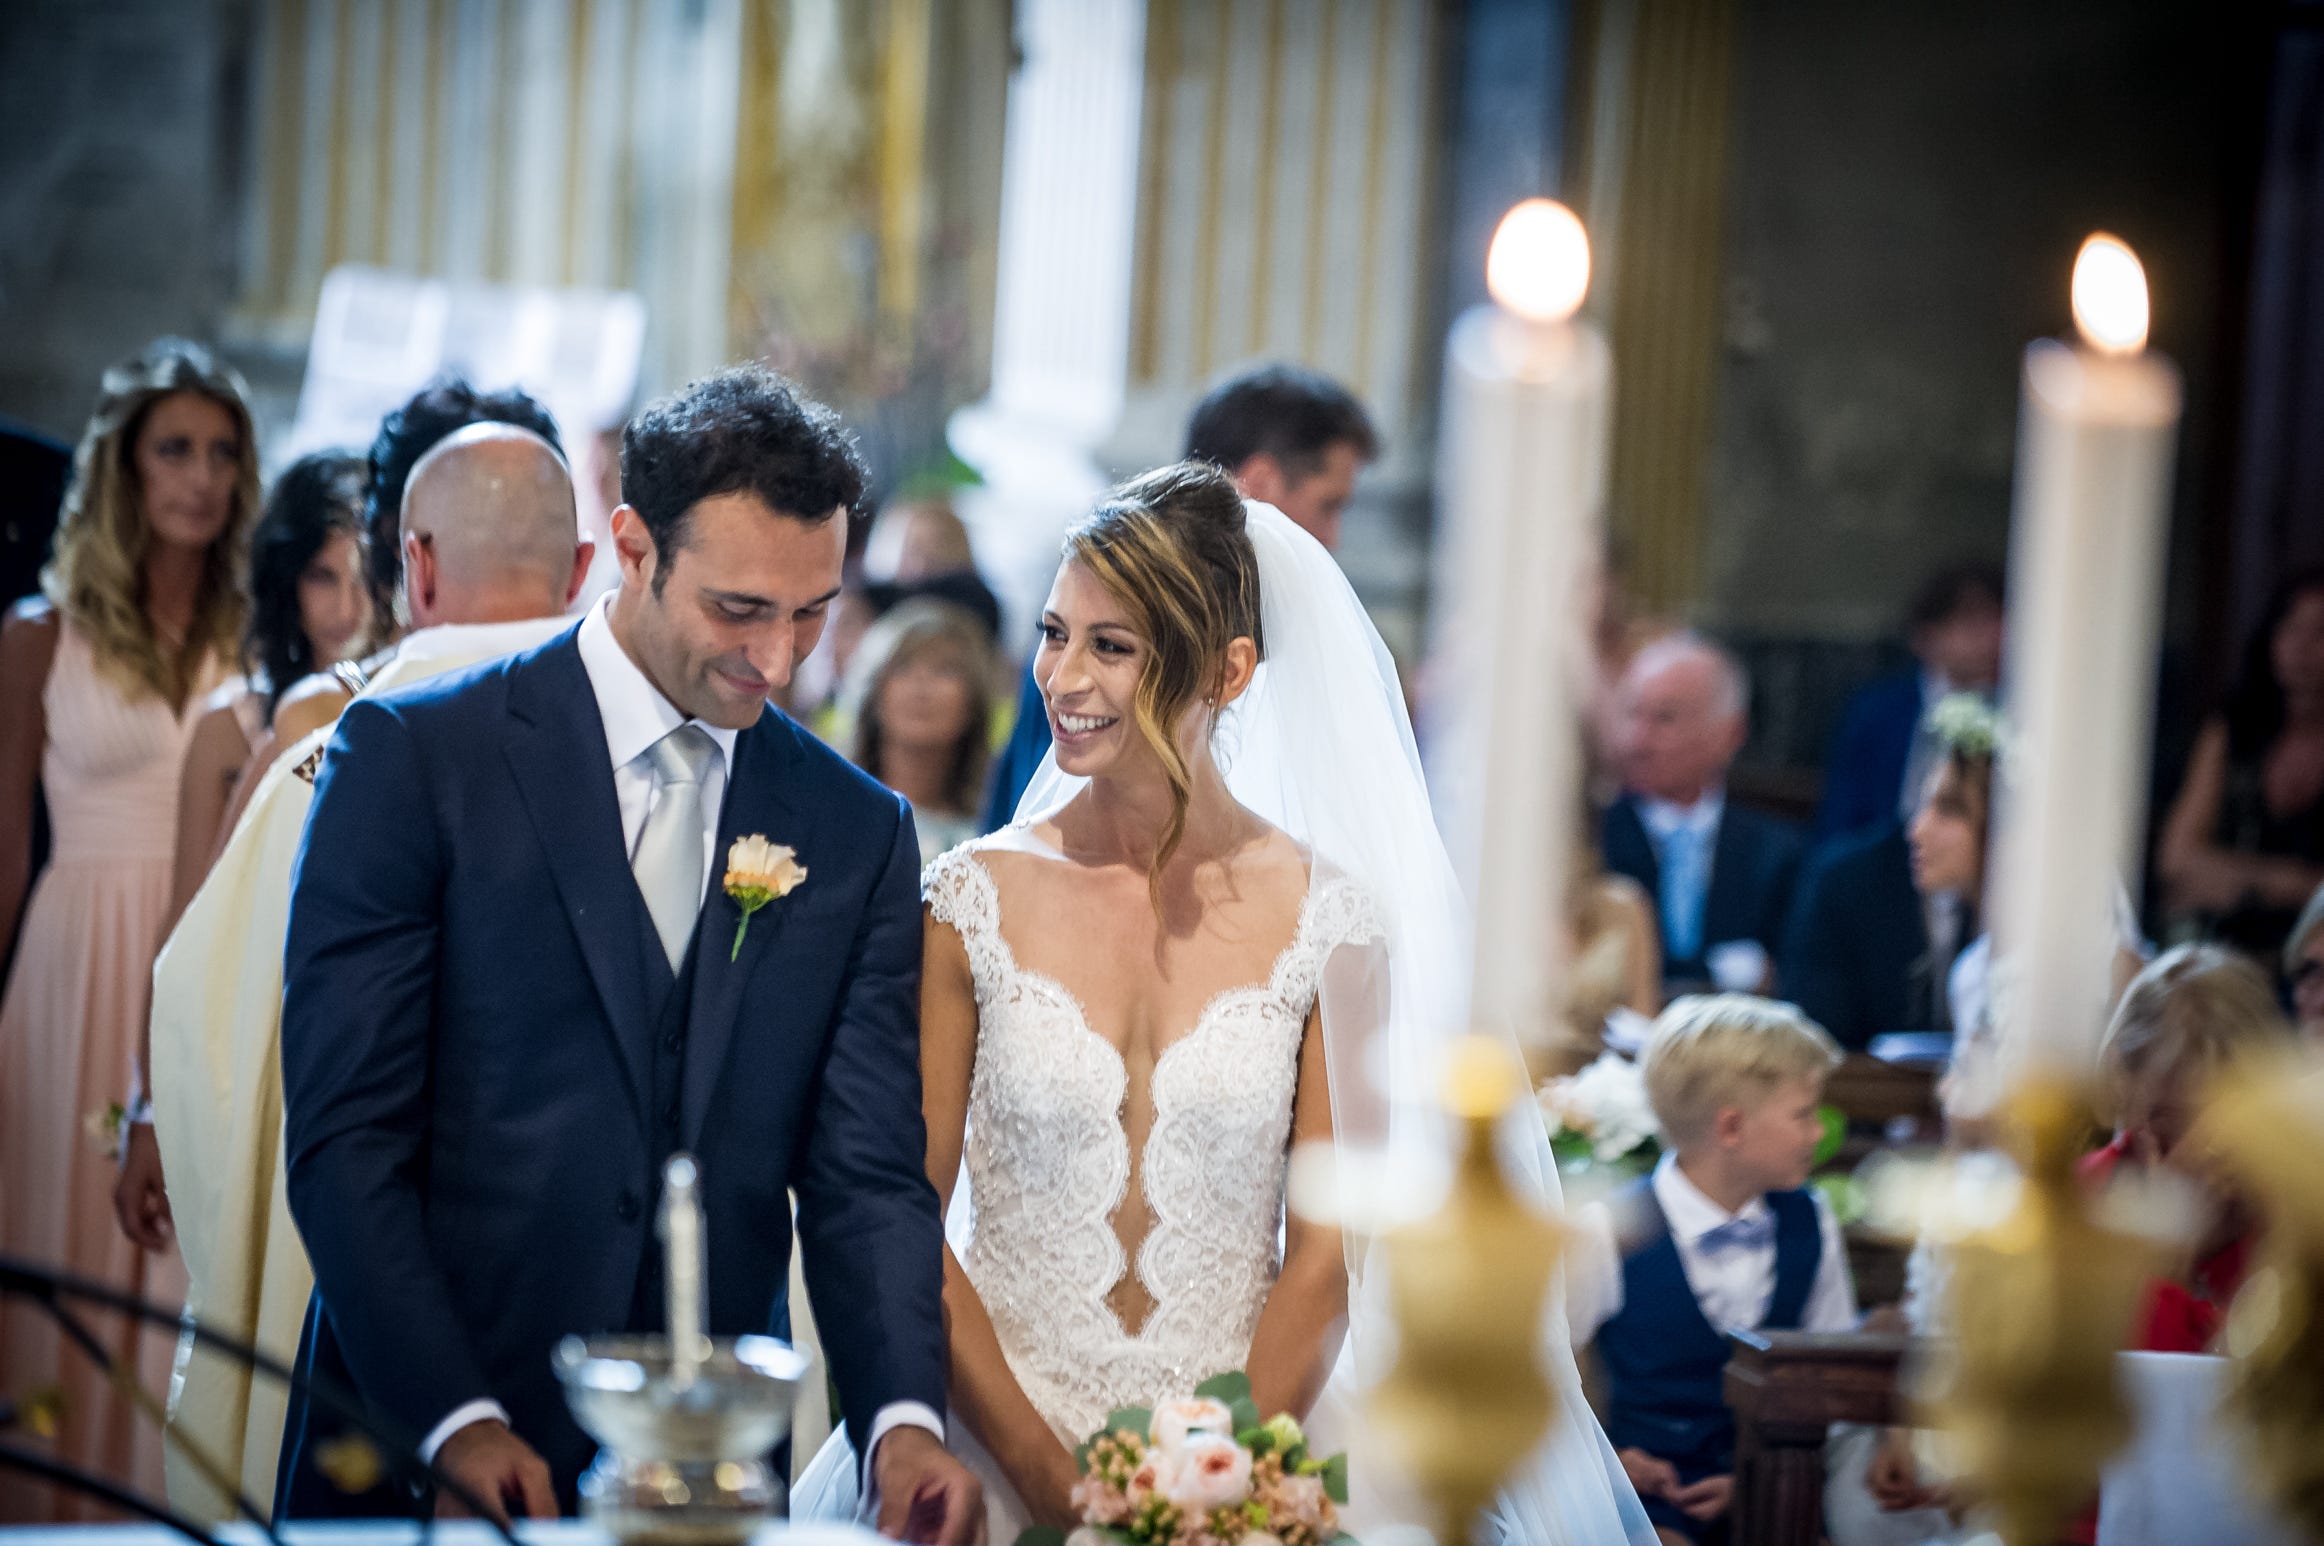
[{"x": 514, "y": 988}]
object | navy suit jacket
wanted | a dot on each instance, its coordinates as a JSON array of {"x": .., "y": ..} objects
[
  {"x": 467, "y": 1045},
  {"x": 1754, "y": 862},
  {"x": 1856, "y": 954},
  {"x": 1864, "y": 775}
]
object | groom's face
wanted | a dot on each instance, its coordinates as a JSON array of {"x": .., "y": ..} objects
[{"x": 719, "y": 621}]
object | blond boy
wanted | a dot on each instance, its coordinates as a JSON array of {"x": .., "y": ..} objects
[{"x": 1724, "y": 1236}]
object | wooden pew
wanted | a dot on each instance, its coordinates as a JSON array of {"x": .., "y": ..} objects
[{"x": 1786, "y": 1388}]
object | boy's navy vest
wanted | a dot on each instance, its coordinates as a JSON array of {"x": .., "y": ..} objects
[{"x": 1665, "y": 1363}]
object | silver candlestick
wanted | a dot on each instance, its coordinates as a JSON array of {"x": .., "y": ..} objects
[{"x": 686, "y": 1421}]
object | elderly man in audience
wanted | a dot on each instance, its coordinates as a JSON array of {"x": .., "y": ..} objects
[
  {"x": 1882, "y": 754},
  {"x": 492, "y": 555},
  {"x": 1721, "y": 875},
  {"x": 2304, "y": 969}
]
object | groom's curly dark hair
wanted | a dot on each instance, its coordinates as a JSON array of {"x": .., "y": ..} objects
[{"x": 743, "y": 431}]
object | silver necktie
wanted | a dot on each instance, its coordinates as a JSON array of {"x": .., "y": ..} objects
[{"x": 669, "y": 859}]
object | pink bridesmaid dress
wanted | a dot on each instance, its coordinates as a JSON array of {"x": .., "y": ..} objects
[{"x": 76, "y": 999}]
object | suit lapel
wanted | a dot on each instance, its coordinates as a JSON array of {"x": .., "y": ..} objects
[
  {"x": 762, "y": 800},
  {"x": 556, "y": 749},
  {"x": 1629, "y": 849},
  {"x": 1726, "y": 890}
]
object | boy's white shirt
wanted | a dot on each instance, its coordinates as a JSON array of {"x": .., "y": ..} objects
[{"x": 1733, "y": 1286}]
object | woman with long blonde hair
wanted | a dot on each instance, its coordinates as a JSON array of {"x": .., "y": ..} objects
[{"x": 99, "y": 680}]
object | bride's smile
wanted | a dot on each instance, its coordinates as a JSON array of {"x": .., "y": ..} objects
[{"x": 1088, "y": 666}]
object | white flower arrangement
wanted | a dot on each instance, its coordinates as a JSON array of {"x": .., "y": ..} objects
[{"x": 1601, "y": 1114}]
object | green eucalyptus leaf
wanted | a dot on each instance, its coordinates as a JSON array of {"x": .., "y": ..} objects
[
  {"x": 1335, "y": 1479},
  {"x": 1835, "y": 1134},
  {"x": 1130, "y": 1419},
  {"x": 1230, "y": 1387}
]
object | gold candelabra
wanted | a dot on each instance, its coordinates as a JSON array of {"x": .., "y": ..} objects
[
  {"x": 2042, "y": 1300},
  {"x": 1468, "y": 1398},
  {"x": 2264, "y": 1129}
]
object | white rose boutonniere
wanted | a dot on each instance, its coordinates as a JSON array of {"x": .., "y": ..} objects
[{"x": 757, "y": 872}]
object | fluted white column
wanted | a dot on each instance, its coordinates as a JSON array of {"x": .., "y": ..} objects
[{"x": 1061, "y": 326}]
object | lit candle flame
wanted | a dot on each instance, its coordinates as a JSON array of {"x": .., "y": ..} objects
[
  {"x": 2110, "y": 306},
  {"x": 1539, "y": 263}
]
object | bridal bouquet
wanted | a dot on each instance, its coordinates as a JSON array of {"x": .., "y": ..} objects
[
  {"x": 1203, "y": 1470},
  {"x": 1601, "y": 1116}
]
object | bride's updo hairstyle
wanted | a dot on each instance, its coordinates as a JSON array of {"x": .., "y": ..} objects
[{"x": 1171, "y": 547}]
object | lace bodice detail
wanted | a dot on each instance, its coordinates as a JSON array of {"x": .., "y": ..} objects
[{"x": 1048, "y": 1162}]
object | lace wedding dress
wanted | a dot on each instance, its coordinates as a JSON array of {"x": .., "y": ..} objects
[
  {"x": 1048, "y": 1165},
  {"x": 1321, "y": 747}
]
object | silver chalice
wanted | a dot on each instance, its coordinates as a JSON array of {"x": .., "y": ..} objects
[{"x": 684, "y": 1421}]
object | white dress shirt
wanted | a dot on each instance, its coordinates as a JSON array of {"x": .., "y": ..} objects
[
  {"x": 1733, "y": 1286},
  {"x": 636, "y": 716},
  {"x": 1663, "y": 817}
]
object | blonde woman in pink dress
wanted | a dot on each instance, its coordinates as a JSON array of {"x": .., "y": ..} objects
[{"x": 101, "y": 680}]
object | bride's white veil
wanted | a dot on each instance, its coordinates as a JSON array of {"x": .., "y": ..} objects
[{"x": 1321, "y": 745}]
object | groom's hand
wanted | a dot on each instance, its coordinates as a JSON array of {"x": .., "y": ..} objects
[
  {"x": 926, "y": 1496},
  {"x": 500, "y": 1469}
]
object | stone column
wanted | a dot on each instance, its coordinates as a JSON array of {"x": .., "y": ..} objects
[{"x": 1061, "y": 324}]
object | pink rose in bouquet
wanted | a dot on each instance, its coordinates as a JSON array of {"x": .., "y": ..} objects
[{"x": 1203, "y": 1470}]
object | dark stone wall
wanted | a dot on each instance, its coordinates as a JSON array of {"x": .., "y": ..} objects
[
  {"x": 1908, "y": 186},
  {"x": 119, "y": 201}
]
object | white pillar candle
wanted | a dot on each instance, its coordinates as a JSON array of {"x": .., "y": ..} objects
[
  {"x": 683, "y": 1276},
  {"x": 2096, "y": 433},
  {"x": 1523, "y": 484}
]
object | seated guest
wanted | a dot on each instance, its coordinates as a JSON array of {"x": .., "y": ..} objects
[
  {"x": 1723, "y": 1236},
  {"x": 1289, "y": 437},
  {"x": 2192, "y": 1012},
  {"x": 919, "y": 694},
  {"x": 1613, "y": 966},
  {"x": 2244, "y": 843},
  {"x": 1721, "y": 876},
  {"x": 1882, "y": 914},
  {"x": 2304, "y": 969},
  {"x": 308, "y": 604},
  {"x": 1881, "y": 755}
]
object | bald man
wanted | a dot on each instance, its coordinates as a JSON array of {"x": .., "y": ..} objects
[
  {"x": 1721, "y": 875},
  {"x": 492, "y": 556}
]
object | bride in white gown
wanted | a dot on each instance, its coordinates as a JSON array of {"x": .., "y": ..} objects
[{"x": 1217, "y": 930}]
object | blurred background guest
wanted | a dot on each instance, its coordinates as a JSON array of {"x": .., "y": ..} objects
[
  {"x": 1883, "y": 913},
  {"x": 1721, "y": 874},
  {"x": 1881, "y": 754},
  {"x": 1290, "y": 437},
  {"x": 914, "y": 547},
  {"x": 141, "y": 616},
  {"x": 409, "y": 433},
  {"x": 2187, "y": 1016},
  {"x": 406, "y": 435},
  {"x": 1615, "y": 965},
  {"x": 33, "y": 473},
  {"x": 919, "y": 695},
  {"x": 2304, "y": 969},
  {"x": 308, "y": 607},
  {"x": 2244, "y": 843}
]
